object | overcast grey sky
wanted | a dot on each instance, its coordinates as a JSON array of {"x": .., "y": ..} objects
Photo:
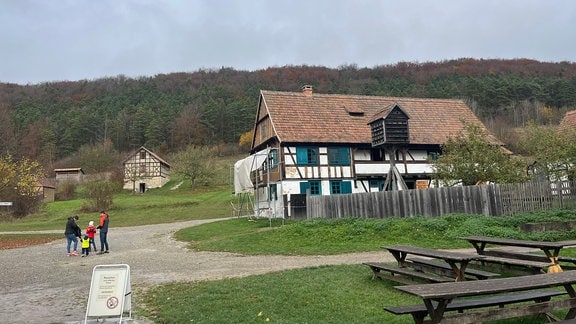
[{"x": 54, "y": 40}]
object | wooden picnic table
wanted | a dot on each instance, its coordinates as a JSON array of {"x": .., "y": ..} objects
[
  {"x": 551, "y": 249},
  {"x": 437, "y": 296},
  {"x": 457, "y": 261}
]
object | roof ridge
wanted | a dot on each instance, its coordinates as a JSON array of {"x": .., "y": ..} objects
[{"x": 340, "y": 95}]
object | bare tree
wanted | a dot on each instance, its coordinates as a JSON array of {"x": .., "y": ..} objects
[{"x": 194, "y": 164}]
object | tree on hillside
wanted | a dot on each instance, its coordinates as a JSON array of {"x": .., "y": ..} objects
[
  {"x": 98, "y": 158},
  {"x": 54, "y": 119},
  {"x": 9, "y": 142},
  {"x": 195, "y": 163},
  {"x": 245, "y": 141},
  {"x": 552, "y": 150},
  {"x": 470, "y": 159},
  {"x": 99, "y": 194},
  {"x": 19, "y": 184},
  {"x": 187, "y": 128}
]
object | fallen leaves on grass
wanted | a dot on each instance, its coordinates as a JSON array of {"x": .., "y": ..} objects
[{"x": 13, "y": 241}]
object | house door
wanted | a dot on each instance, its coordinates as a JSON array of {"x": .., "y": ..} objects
[
  {"x": 297, "y": 205},
  {"x": 142, "y": 187}
]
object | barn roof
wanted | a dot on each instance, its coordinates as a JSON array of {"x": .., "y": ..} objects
[
  {"x": 301, "y": 117},
  {"x": 142, "y": 148}
]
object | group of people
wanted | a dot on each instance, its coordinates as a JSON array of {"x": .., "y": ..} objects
[{"x": 74, "y": 234}]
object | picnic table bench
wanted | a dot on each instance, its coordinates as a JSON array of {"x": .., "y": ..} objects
[
  {"x": 526, "y": 256},
  {"x": 456, "y": 260},
  {"x": 551, "y": 249},
  {"x": 405, "y": 270},
  {"x": 445, "y": 270},
  {"x": 403, "y": 275},
  {"x": 534, "y": 263},
  {"x": 438, "y": 298},
  {"x": 419, "y": 312}
]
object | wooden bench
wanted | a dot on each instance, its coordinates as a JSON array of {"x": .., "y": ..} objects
[
  {"x": 443, "y": 269},
  {"x": 419, "y": 312},
  {"x": 403, "y": 275},
  {"x": 526, "y": 256},
  {"x": 437, "y": 298},
  {"x": 523, "y": 267},
  {"x": 456, "y": 260}
]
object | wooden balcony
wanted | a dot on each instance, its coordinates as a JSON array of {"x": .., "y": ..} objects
[{"x": 261, "y": 177}]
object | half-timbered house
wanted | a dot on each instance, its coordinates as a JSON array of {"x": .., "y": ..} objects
[
  {"x": 144, "y": 169},
  {"x": 325, "y": 144}
]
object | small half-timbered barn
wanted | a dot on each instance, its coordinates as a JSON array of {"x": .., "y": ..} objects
[
  {"x": 74, "y": 175},
  {"x": 47, "y": 190},
  {"x": 326, "y": 144},
  {"x": 144, "y": 169}
]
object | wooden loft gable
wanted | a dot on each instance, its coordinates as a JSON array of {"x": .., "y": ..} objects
[
  {"x": 390, "y": 126},
  {"x": 264, "y": 127},
  {"x": 143, "y": 153}
]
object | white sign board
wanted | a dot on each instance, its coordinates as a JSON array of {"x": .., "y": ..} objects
[
  {"x": 110, "y": 291},
  {"x": 5, "y": 203}
]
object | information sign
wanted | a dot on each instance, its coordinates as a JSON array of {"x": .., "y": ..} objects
[{"x": 110, "y": 291}]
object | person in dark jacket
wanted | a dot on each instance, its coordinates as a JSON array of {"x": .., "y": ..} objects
[
  {"x": 103, "y": 227},
  {"x": 72, "y": 233}
]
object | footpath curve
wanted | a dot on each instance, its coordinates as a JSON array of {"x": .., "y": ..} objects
[{"x": 40, "y": 284}]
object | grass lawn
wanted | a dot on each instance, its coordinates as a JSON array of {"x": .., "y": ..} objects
[
  {"x": 325, "y": 236},
  {"x": 328, "y": 294}
]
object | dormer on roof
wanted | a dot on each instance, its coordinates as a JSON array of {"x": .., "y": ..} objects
[
  {"x": 353, "y": 110},
  {"x": 390, "y": 126}
]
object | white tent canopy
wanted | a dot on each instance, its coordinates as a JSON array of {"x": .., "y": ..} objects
[{"x": 243, "y": 168}]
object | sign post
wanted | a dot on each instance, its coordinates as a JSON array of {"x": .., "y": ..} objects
[
  {"x": 7, "y": 205},
  {"x": 110, "y": 292}
]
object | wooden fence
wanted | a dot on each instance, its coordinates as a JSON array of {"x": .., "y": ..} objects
[{"x": 493, "y": 200}]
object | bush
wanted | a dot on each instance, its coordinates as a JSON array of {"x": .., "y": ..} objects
[
  {"x": 66, "y": 191},
  {"x": 25, "y": 205},
  {"x": 99, "y": 194}
]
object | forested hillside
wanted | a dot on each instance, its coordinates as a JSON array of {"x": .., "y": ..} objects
[{"x": 52, "y": 120}]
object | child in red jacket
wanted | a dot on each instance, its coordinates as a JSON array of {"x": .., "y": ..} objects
[{"x": 91, "y": 232}]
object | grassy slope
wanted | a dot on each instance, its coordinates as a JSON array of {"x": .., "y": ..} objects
[{"x": 154, "y": 207}]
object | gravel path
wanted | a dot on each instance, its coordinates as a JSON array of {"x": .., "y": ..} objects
[{"x": 40, "y": 284}]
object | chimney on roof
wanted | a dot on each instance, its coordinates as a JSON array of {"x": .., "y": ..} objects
[{"x": 307, "y": 90}]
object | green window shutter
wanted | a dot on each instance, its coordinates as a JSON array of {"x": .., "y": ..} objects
[
  {"x": 346, "y": 187},
  {"x": 339, "y": 156},
  {"x": 303, "y": 187},
  {"x": 344, "y": 155},
  {"x": 301, "y": 156}
]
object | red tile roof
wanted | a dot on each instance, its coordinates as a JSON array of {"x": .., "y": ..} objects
[{"x": 333, "y": 118}]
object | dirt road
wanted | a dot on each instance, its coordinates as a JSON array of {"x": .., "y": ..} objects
[{"x": 40, "y": 284}]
